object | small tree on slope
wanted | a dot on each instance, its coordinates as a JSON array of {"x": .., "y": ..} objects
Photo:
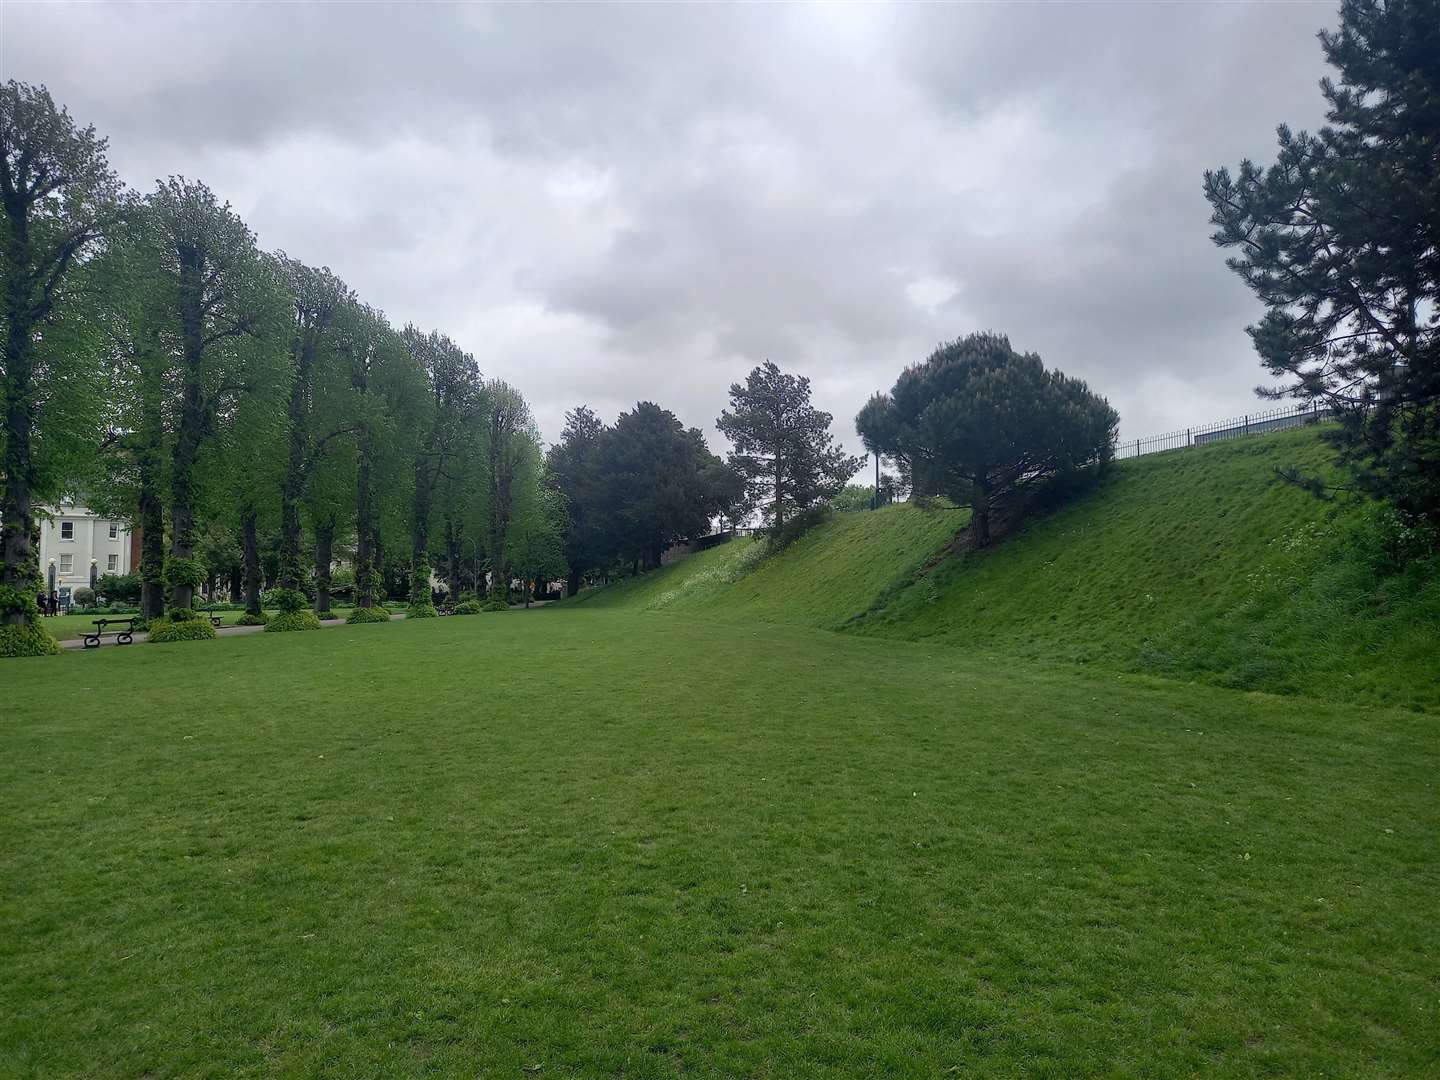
[{"x": 983, "y": 425}]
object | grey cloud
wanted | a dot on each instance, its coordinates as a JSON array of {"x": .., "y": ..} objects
[{"x": 614, "y": 202}]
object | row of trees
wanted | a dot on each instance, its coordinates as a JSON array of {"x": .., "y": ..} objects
[{"x": 224, "y": 398}]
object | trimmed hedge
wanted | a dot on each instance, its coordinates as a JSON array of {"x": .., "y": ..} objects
[
  {"x": 368, "y": 615},
  {"x": 249, "y": 619},
  {"x": 468, "y": 607},
  {"x": 495, "y": 605},
  {"x": 292, "y": 620},
  {"x": 422, "y": 611},
  {"x": 27, "y": 639},
  {"x": 168, "y": 629}
]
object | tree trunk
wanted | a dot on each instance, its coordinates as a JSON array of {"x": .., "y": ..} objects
[
  {"x": 420, "y": 534},
  {"x": 365, "y": 567},
  {"x": 237, "y": 583},
  {"x": 452, "y": 558},
  {"x": 980, "y": 515},
  {"x": 324, "y": 547},
  {"x": 191, "y": 431},
  {"x": 573, "y": 581},
  {"x": 250, "y": 559},
  {"x": 17, "y": 518}
]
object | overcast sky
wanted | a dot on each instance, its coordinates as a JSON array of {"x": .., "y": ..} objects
[{"x": 607, "y": 203}]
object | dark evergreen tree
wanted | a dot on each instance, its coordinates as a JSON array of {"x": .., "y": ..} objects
[
  {"x": 573, "y": 467},
  {"x": 1340, "y": 238},
  {"x": 984, "y": 425},
  {"x": 783, "y": 446}
]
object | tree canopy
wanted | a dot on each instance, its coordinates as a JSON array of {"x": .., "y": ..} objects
[
  {"x": 983, "y": 424},
  {"x": 1340, "y": 239}
]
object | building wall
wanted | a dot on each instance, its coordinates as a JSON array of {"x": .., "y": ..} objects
[{"x": 89, "y": 540}]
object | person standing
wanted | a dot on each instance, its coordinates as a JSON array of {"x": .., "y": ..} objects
[{"x": 54, "y": 602}]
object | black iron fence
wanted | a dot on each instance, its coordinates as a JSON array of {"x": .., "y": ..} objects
[{"x": 1237, "y": 427}]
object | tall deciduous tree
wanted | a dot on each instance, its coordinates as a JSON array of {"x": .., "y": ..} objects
[
  {"x": 510, "y": 442},
  {"x": 783, "y": 445},
  {"x": 219, "y": 292},
  {"x": 573, "y": 469},
  {"x": 1340, "y": 239},
  {"x": 58, "y": 197},
  {"x": 318, "y": 412},
  {"x": 450, "y": 401},
  {"x": 983, "y": 425}
]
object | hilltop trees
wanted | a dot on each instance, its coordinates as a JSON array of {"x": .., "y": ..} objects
[
  {"x": 58, "y": 198},
  {"x": 1340, "y": 239},
  {"x": 783, "y": 446},
  {"x": 984, "y": 425}
]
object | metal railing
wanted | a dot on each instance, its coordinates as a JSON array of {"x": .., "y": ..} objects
[{"x": 1236, "y": 427}]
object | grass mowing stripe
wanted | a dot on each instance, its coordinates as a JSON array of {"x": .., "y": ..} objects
[{"x": 606, "y": 844}]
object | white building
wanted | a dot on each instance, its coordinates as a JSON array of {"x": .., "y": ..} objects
[{"x": 77, "y": 547}]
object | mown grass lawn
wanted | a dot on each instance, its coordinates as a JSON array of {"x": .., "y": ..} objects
[{"x": 589, "y": 843}]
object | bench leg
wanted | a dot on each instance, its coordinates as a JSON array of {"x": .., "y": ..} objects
[
  {"x": 123, "y": 638},
  {"x": 92, "y": 641}
]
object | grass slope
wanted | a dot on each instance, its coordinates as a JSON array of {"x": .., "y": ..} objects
[
  {"x": 1198, "y": 564},
  {"x": 694, "y": 847},
  {"x": 821, "y": 580}
]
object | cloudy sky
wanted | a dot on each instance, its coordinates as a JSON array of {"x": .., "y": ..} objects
[{"x": 609, "y": 202}]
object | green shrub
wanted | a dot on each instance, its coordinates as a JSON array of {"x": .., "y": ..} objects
[
  {"x": 495, "y": 604},
  {"x": 421, "y": 611},
  {"x": 184, "y": 572},
  {"x": 368, "y": 615},
  {"x": 468, "y": 607},
  {"x": 181, "y": 614},
  {"x": 322, "y": 615},
  {"x": 27, "y": 639},
  {"x": 84, "y": 597},
  {"x": 288, "y": 601},
  {"x": 173, "y": 629},
  {"x": 122, "y": 587},
  {"x": 288, "y": 621},
  {"x": 252, "y": 619}
]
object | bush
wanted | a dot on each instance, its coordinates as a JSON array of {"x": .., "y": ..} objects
[
  {"x": 798, "y": 525},
  {"x": 288, "y": 601},
  {"x": 181, "y": 614},
  {"x": 173, "y": 629},
  {"x": 251, "y": 619},
  {"x": 495, "y": 605},
  {"x": 468, "y": 607},
  {"x": 185, "y": 572},
  {"x": 323, "y": 615},
  {"x": 27, "y": 639},
  {"x": 289, "y": 621},
  {"x": 122, "y": 587},
  {"x": 368, "y": 615},
  {"x": 421, "y": 611},
  {"x": 84, "y": 597}
]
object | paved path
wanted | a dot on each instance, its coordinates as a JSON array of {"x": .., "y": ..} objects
[{"x": 220, "y": 631}]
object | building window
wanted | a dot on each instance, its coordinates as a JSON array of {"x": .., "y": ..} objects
[
  {"x": 67, "y": 530},
  {"x": 114, "y": 531},
  {"x": 112, "y": 562},
  {"x": 67, "y": 564}
]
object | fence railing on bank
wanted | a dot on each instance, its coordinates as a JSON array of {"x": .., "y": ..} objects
[{"x": 1236, "y": 427}]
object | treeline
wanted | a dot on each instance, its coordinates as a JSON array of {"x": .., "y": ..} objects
[{"x": 261, "y": 424}]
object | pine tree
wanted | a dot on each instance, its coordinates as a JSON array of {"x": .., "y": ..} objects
[
  {"x": 783, "y": 445},
  {"x": 1340, "y": 238}
]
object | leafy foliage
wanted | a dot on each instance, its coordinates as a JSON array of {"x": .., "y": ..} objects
[
  {"x": 251, "y": 618},
  {"x": 468, "y": 607},
  {"x": 180, "y": 625},
  {"x": 985, "y": 426},
  {"x": 290, "y": 621},
  {"x": 373, "y": 614},
  {"x": 26, "y": 639}
]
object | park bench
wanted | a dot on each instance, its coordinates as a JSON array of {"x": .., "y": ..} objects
[{"x": 122, "y": 637}]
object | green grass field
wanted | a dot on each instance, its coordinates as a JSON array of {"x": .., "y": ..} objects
[{"x": 581, "y": 843}]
